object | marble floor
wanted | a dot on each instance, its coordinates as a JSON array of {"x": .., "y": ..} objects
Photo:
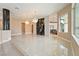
[
  {"x": 33, "y": 45},
  {"x": 7, "y": 49}
]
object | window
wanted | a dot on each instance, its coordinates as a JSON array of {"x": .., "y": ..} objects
[
  {"x": 64, "y": 23},
  {"x": 76, "y": 20}
]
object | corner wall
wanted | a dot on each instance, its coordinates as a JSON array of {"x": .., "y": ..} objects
[{"x": 47, "y": 29}]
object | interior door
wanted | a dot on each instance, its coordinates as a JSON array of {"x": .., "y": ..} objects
[{"x": 23, "y": 28}]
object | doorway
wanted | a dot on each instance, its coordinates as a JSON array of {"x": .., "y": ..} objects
[
  {"x": 32, "y": 28},
  {"x": 23, "y": 28},
  {"x": 40, "y": 26}
]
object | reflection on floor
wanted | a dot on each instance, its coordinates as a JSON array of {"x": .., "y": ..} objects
[
  {"x": 42, "y": 45},
  {"x": 7, "y": 49},
  {"x": 31, "y": 45}
]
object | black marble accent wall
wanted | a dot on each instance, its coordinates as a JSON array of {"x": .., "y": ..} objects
[
  {"x": 6, "y": 19},
  {"x": 40, "y": 27}
]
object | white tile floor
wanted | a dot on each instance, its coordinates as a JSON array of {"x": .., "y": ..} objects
[
  {"x": 7, "y": 49},
  {"x": 32, "y": 45},
  {"x": 41, "y": 45}
]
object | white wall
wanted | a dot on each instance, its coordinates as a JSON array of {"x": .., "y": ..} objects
[
  {"x": 47, "y": 29},
  {"x": 5, "y": 35},
  {"x": 53, "y": 19},
  {"x": 15, "y": 26},
  {"x": 0, "y": 24},
  {"x": 0, "y": 36}
]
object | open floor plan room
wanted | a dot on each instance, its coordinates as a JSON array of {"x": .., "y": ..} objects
[{"x": 39, "y": 29}]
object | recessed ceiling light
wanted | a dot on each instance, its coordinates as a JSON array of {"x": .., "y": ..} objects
[{"x": 27, "y": 22}]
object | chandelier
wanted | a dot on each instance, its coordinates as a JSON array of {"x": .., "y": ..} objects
[{"x": 35, "y": 20}]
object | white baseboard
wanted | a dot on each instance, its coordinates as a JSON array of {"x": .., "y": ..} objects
[
  {"x": 16, "y": 34},
  {"x": 20, "y": 34},
  {"x": 4, "y": 41},
  {"x": 28, "y": 33}
]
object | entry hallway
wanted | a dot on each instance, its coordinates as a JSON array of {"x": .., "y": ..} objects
[{"x": 35, "y": 45}]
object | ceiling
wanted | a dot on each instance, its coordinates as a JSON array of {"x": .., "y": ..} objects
[{"x": 31, "y": 10}]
